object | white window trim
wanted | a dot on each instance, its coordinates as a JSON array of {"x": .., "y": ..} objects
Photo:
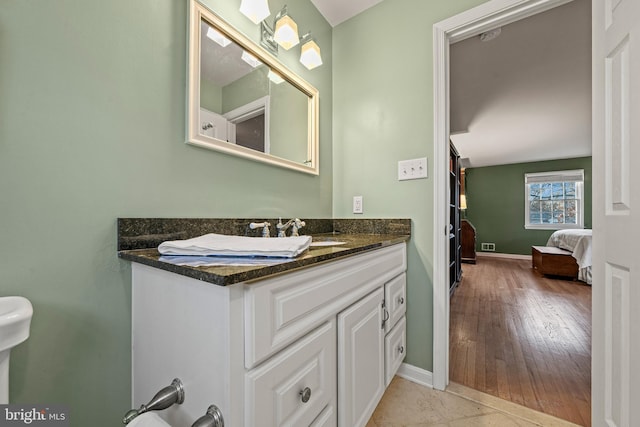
[{"x": 576, "y": 176}]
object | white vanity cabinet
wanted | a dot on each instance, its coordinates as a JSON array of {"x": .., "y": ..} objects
[{"x": 313, "y": 347}]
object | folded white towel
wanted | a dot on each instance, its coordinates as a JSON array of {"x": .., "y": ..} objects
[{"x": 220, "y": 244}]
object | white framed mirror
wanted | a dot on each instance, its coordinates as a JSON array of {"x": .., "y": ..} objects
[{"x": 243, "y": 101}]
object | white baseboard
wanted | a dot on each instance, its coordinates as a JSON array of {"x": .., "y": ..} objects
[
  {"x": 499, "y": 255},
  {"x": 416, "y": 375}
]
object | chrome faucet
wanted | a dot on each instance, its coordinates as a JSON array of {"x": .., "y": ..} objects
[
  {"x": 264, "y": 225},
  {"x": 295, "y": 224}
]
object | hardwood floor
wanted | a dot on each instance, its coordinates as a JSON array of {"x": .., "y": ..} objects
[{"x": 523, "y": 337}]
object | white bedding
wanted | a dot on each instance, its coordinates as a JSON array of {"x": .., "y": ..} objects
[{"x": 579, "y": 243}]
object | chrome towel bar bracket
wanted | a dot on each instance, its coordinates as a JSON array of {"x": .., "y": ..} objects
[{"x": 169, "y": 395}]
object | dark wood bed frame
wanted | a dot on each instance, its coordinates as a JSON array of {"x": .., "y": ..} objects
[{"x": 554, "y": 261}]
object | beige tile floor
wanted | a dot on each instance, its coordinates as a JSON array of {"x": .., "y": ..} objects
[{"x": 406, "y": 404}]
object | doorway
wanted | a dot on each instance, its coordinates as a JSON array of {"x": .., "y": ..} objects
[{"x": 468, "y": 24}]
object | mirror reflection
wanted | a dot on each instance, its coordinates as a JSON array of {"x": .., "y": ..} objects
[{"x": 249, "y": 104}]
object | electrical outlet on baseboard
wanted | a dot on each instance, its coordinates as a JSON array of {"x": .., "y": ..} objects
[{"x": 488, "y": 247}]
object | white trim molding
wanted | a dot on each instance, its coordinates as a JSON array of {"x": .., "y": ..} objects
[
  {"x": 415, "y": 375},
  {"x": 487, "y": 16}
]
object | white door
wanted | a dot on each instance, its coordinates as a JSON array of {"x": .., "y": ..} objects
[
  {"x": 213, "y": 125},
  {"x": 360, "y": 360},
  {"x": 616, "y": 222}
]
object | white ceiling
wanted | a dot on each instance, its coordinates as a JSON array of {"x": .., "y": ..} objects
[
  {"x": 338, "y": 11},
  {"x": 526, "y": 95},
  {"x": 220, "y": 65}
]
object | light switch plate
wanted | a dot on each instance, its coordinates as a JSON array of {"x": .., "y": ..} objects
[{"x": 412, "y": 169}]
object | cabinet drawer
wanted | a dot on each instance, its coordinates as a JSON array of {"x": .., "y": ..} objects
[
  {"x": 395, "y": 349},
  {"x": 395, "y": 297},
  {"x": 280, "y": 310},
  {"x": 327, "y": 418},
  {"x": 274, "y": 390}
]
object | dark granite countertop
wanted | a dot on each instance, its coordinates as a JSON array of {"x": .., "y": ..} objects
[
  {"x": 358, "y": 239},
  {"x": 228, "y": 275}
]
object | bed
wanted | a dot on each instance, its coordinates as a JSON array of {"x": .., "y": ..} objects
[{"x": 578, "y": 242}]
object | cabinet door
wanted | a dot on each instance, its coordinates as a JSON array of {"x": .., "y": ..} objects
[
  {"x": 293, "y": 388},
  {"x": 360, "y": 360}
]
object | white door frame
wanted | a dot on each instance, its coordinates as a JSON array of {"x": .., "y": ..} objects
[{"x": 487, "y": 16}]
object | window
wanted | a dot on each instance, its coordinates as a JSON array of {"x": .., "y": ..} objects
[{"x": 554, "y": 200}]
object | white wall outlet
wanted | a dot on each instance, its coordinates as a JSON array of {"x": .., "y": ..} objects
[
  {"x": 357, "y": 204},
  {"x": 489, "y": 247},
  {"x": 412, "y": 169}
]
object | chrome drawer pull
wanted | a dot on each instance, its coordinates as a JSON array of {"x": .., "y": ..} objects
[
  {"x": 401, "y": 349},
  {"x": 305, "y": 394},
  {"x": 401, "y": 300}
]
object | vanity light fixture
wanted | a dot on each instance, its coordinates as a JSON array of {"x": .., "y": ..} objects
[
  {"x": 217, "y": 37},
  {"x": 250, "y": 59},
  {"x": 310, "y": 52},
  {"x": 275, "y": 77},
  {"x": 284, "y": 32},
  {"x": 255, "y": 10}
]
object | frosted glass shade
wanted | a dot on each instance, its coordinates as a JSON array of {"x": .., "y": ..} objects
[
  {"x": 275, "y": 77},
  {"x": 310, "y": 55},
  {"x": 217, "y": 37},
  {"x": 250, "y": 59},
  {"x": 286, "y": 32},
  {"x": 255, "y": 10}
]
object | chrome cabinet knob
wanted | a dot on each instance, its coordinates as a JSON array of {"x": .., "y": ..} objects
[
  {"x": 401, "y": 349},
  {"x": 305, "y": 394}
]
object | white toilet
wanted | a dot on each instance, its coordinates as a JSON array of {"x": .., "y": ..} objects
[{"x": 15, "y": 320}]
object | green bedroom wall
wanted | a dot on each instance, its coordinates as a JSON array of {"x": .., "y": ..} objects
[
  {"x": 93, "y": 128},
  {"x": 496, "y": 203},
  {"x": 383, "y": 113}
]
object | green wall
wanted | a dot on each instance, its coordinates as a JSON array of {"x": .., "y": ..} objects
[
  {"x": 289, "y": 123},
  {"x": 496, "y": 203},
  {"x": 246, "y": 89},
  {"x": 383, "y": 113},
  {"x": 210, "y": 96},
  {"x": 92, "y": 128}
]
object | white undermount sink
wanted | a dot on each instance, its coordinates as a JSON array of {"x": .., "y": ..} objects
[{"x": 15, "y": 320}]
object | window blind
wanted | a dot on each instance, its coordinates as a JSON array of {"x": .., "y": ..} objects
[{"x": 557, "y": 176}]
